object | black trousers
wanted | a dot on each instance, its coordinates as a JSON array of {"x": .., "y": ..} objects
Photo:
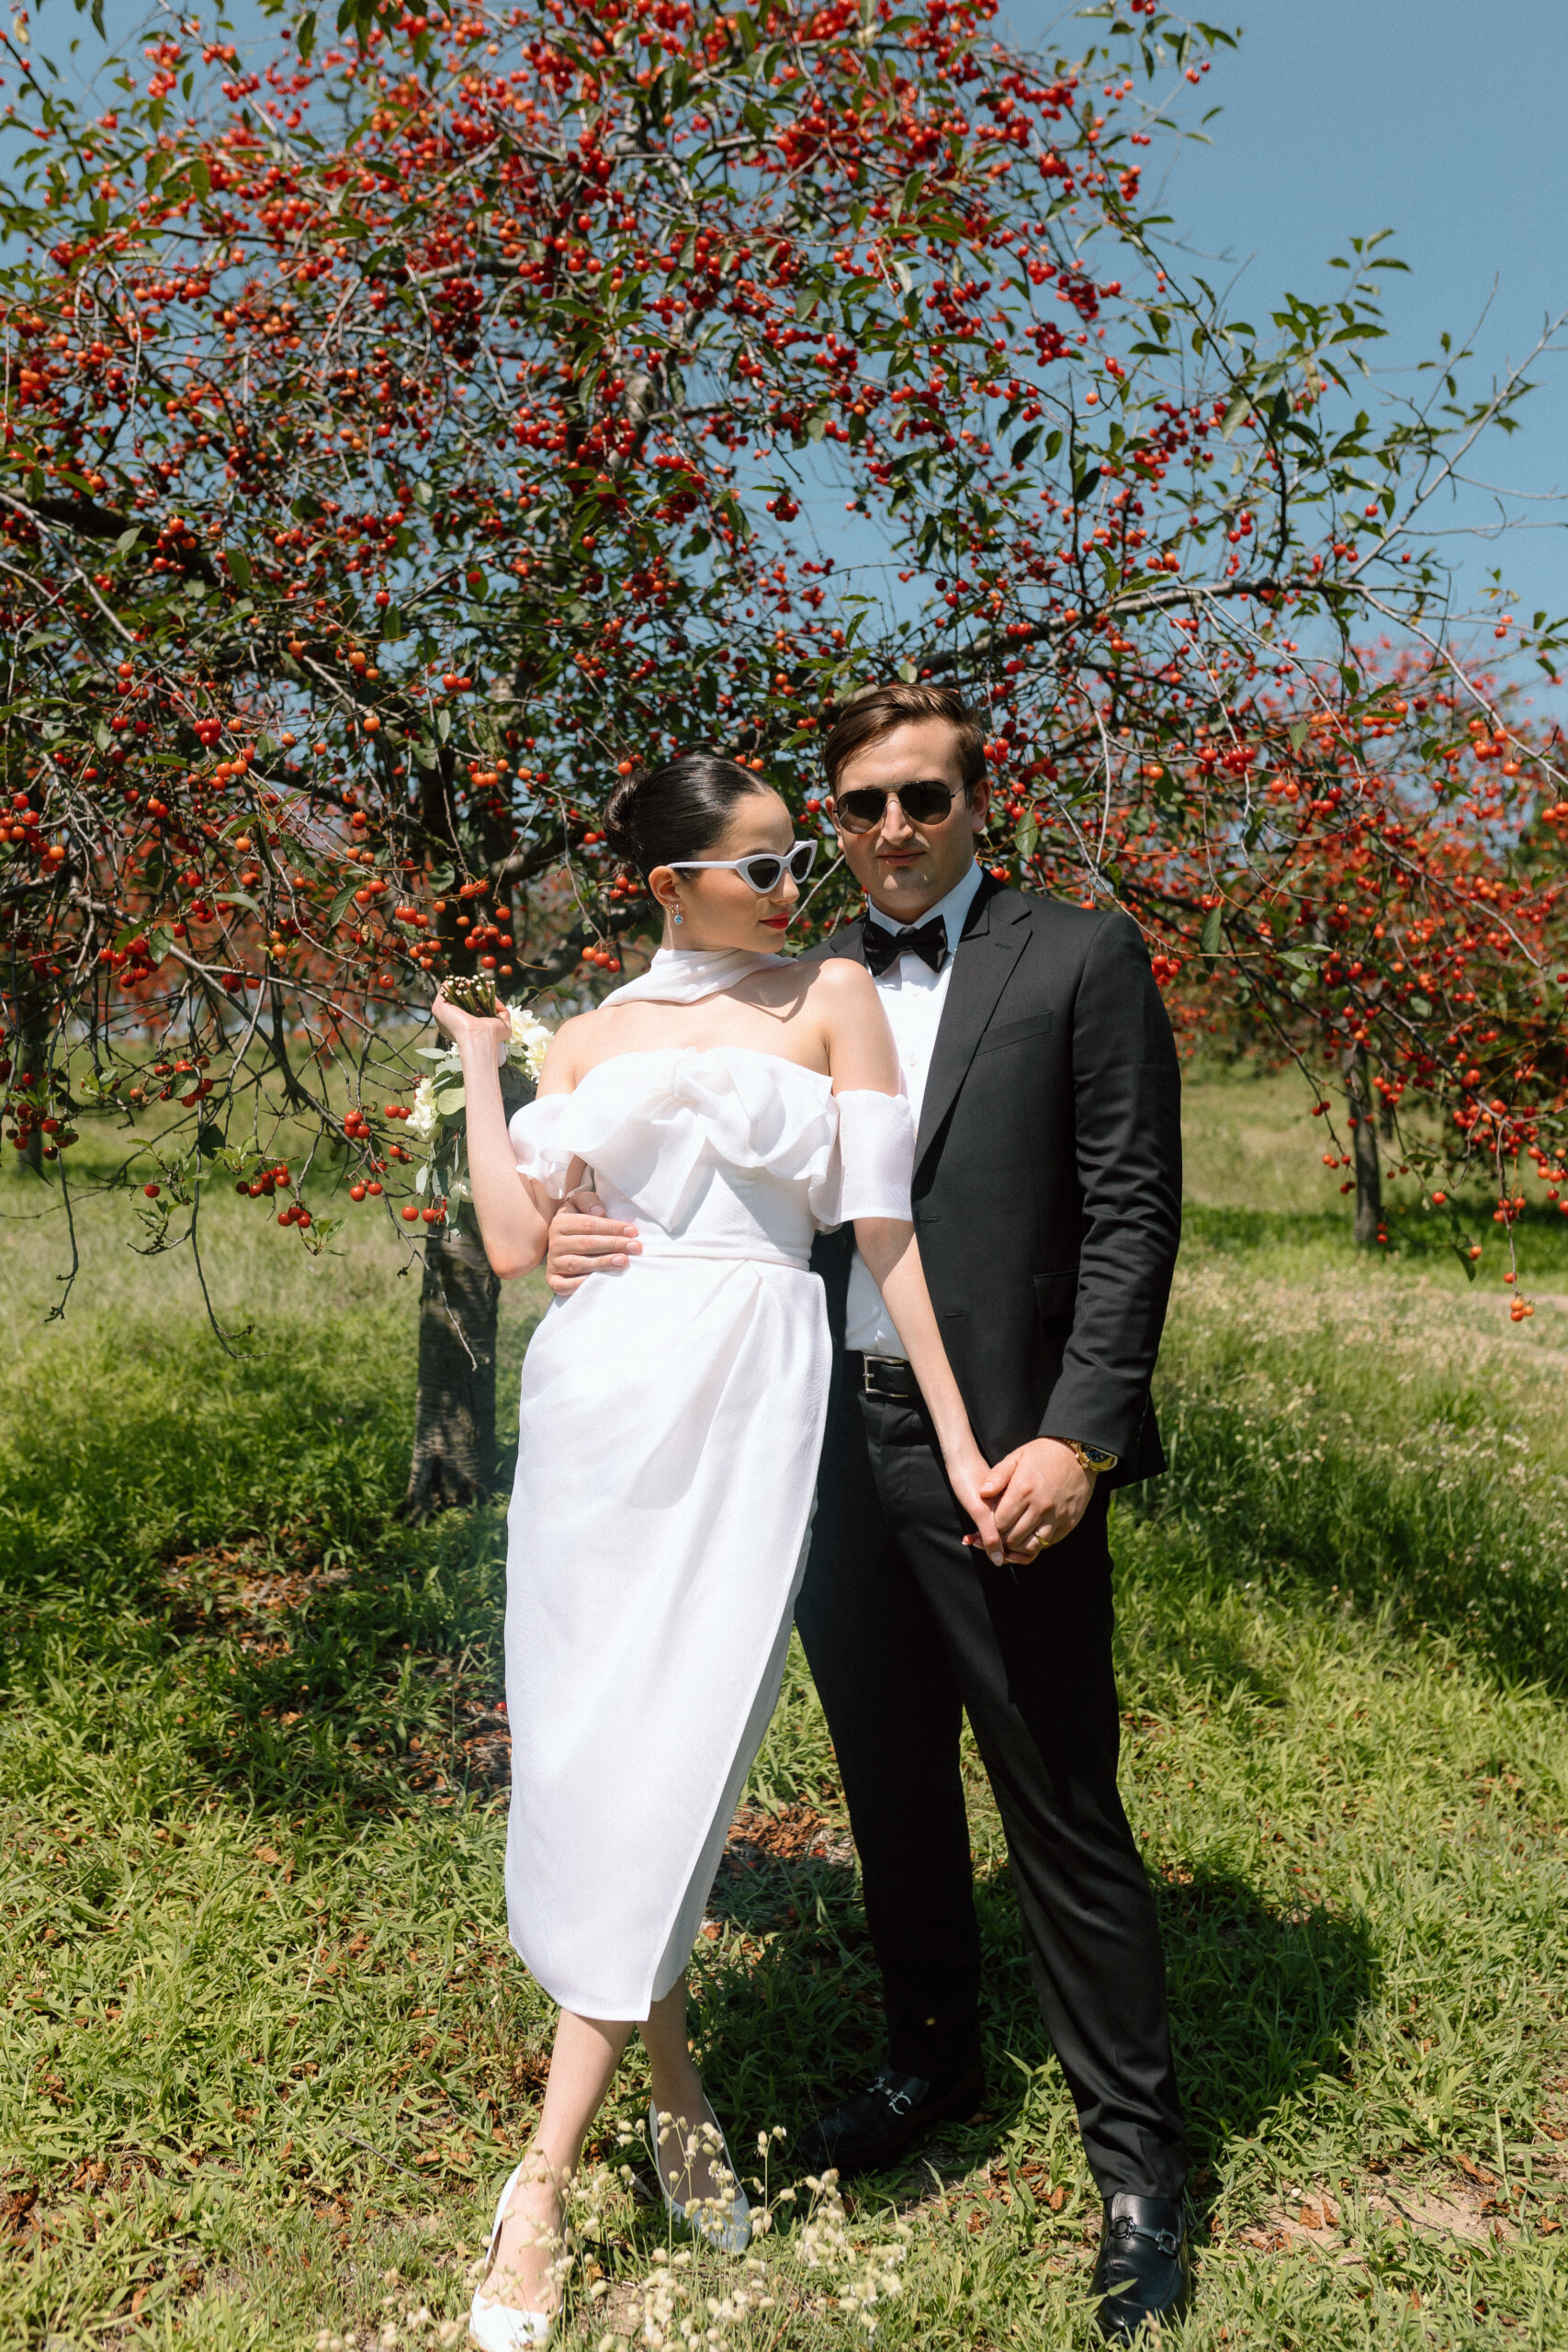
[{"x": 905, "y": 1628}]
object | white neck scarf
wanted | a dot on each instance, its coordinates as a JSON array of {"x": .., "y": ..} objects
[{"x": 684, "y": 975}]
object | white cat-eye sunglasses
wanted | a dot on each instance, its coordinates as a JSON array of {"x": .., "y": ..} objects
[{"x": 764, "y": 869}]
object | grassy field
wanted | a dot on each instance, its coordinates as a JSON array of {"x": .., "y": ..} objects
[{"x": 264, "y": 2050}]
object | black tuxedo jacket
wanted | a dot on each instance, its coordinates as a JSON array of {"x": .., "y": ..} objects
[{"x": 1047, "y": 1191}]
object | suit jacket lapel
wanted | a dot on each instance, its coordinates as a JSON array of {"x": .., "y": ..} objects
[
  {"x": 849, "y": 940},
  {"x": 988, "y": 953}
]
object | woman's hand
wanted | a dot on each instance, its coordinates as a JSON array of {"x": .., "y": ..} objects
[
  {"x": 513, "y": 1216},
  {"x": 967, "y": 1471},
  {"x": 468, "y": 1030}
]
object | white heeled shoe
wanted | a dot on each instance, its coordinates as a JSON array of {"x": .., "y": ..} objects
[
  {"x": 495, "y": 2327},
  {"x": 727, "y": 2230}
]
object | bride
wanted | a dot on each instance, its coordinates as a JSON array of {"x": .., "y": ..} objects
[{"x": 729, "y": 1102}]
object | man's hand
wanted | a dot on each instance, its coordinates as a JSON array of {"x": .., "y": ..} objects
[
  {"x": 1038, "y": 1493},
  {"x": 584, "y": 1242}
]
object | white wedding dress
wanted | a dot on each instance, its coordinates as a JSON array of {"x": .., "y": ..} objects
[{"x": 671, "y": 1417}]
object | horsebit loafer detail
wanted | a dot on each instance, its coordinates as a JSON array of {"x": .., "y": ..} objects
[
  {"x": 880, "y": 2121},
  {"x": 1140, "y": 2275}
]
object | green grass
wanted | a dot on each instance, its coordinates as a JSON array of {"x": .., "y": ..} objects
[{"x": 262, "y": 2040}]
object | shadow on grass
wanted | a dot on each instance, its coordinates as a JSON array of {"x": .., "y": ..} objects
[
  {"x": 1371, "y": 1445},
  {"x": 155, "y": 1448},
  {"x": 1414, "y": 1234},
  {"x": 222, "y": 1536},
  {"x": 793, "y": 2011},
  {"x": 1265, "y": 2006},
  {"x": 291, "y": 1674},
  {"x": 1228, "y": 1230},
  {"x": 1420, "y": 1545},
  {"x": 1265, "y": 2003},
  {"x": 364, "y": 1684}
]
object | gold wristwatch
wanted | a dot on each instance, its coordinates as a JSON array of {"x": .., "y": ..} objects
[{"x": 1090, "y": 1457}]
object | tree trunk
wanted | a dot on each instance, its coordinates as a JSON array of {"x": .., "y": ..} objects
[
  {"x": 454, "y": 1431},
  {"x": 1364, "y": 1146},
  {"x": 454, "y": 1414},
  {"x": 30, "y": 1051}
]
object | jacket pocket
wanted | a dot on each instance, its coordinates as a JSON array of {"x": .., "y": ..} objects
[
  {"x": 1015, "y": 1033},
  {"x": 1055, "y": 1295}
]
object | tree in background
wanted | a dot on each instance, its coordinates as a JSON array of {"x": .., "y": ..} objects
[
  {"x": 1389, "y": 915},
  {"x": 402, "y": 437}
]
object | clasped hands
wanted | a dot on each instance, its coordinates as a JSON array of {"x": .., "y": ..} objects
[{"x": 1034, "y": 1496}]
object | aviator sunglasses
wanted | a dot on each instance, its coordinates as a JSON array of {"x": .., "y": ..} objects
[
  {"x": 764, "y": 869},
  {"x": 861, "y": 811}
]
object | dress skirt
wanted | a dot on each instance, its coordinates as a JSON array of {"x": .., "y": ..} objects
[{"x": 671, "y": 1419}]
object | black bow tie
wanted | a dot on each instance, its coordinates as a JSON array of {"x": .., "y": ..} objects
[{"x": 883, "y": 947}]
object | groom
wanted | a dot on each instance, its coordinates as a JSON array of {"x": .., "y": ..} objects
[{"x": 1043, "y": 1075}]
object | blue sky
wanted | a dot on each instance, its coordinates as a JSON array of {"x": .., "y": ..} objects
[{"x": 1442, "y": 121}]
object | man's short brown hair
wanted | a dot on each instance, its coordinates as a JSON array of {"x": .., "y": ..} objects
[{"x": 875, "y": 711}]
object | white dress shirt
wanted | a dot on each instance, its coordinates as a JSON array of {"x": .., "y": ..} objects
[{"x": 912, "y": 997}]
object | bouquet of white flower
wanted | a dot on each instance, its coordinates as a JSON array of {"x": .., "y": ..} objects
[{"x": 439, "y": 1098}]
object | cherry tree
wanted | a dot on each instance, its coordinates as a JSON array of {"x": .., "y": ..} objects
[{"x": 403, "y": 436}]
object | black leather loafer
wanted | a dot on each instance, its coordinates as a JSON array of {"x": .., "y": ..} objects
[
  {"x": 1141, "y": 2272},
  {"x": 879, "y": 2123}
]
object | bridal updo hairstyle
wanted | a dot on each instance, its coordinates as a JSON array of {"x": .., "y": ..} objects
[{"x": 657, "y": 816}]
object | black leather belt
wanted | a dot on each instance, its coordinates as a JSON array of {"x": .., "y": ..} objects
[{"x": 889, "y": 1377}]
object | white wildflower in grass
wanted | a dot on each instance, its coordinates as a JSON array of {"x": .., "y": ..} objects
[
  {"x": 866, "y": 2276},
  {"x": 675, "y": 2297},
  {"x": 692, "y": 2296}
]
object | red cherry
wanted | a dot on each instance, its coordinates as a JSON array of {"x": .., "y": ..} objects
[
  {"x": 356, "y": 1192},
  {"x": 410, "y": 1215},
  {"x": 152, "y": 1190}
]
